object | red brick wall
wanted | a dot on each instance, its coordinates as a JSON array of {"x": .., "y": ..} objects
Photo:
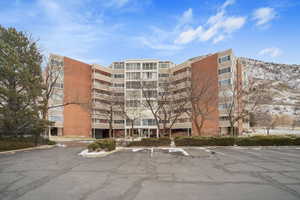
[
  {"x": 205, "y": 75},
  {"x": 77, "y": 91}
]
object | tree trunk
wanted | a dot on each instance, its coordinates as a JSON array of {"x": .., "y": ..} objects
[
  {"x": 131, "y": 131},
  {"x": 110, "y": 129},
  {"x": 197, "y": 127}
]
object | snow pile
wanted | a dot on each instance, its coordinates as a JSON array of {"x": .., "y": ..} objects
[{"x": 86, "y": 153}]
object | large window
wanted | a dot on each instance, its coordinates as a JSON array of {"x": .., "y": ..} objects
[
  {"x": 163, "y": 75},
  {"x": 149, "y": 84},
  {"x": 118, "y": 121},
  {"x": 149, "y": 66},
  {"x": 118, "y": 65},
  {"x": 225, "y": 70},
  {"x": 149, "y": 122},
  {"x": 150, "y": 94},
  {"x": 149, "y": 75},
  {"x": 163, "y": 65},
  {"x": 225, "y": 82},
  {"x": 133, "y": 75},
  {"x": 224, "y": 106},
  {"x": 224, "y": 59},
  {"x": 56, "y": 118},
  {"x": 119, "y": 85},
  {"x": 133, "y": 66},
  {"x": 135, "y": 122},
  {"x": 132, "y": 103},
  {"x": 133, "y": 85},
  {"x": 133, "y": 94},
  {"x": 118, "y": 75}
]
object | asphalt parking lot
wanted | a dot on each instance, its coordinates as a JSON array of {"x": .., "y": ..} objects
[{"x": 229, "y": 173}]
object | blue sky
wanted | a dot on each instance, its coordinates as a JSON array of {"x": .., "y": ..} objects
[{"x": 103, "y": 31}]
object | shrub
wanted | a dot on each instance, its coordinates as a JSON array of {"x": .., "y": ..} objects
[
  {"x": 204, "y": 141},
  {"x": 151, "y": 142},
  {"x": 7, "y": 144},
  {"x": 271, "y": 140},
  {"x": 102, "y": 144},
  {"x": 260, "y": 140},
  {"x": 51, "y": 142},
  {"x": 93, "y": 147}
]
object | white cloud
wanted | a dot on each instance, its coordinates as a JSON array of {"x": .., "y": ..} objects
[
  {"x": 188, "y": 36},
  {"x": 158, "y": 45},
  {"x": 262, "y": 16},
  {"x": 217, "y": 28},
  {"x": 271, "y": 52},
  {"x": 187, "y": 17},
  {"x": 117, "y": 3}
]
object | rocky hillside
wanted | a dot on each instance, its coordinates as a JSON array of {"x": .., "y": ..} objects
[{"x": 284, "y": 88}]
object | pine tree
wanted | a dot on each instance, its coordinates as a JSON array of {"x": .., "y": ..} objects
[{"x": 20, "y": 84}]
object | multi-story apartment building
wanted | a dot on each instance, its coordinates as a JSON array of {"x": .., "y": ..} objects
[{"x": 95, "y": 98}]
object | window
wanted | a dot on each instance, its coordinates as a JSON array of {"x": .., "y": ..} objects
[
  {"x": 149, "y": 84},
  {"x": 150, "y": 94},
  {"x": 224, "y": 59},
  {"x": 149, "y": 66},
  {"x": 56, "y": 62},
  {"x": 119, "y": 121},
  {"x": 119, "y": 94},
  {"x": 118, "y": 75},
  {"x": 163, "y": 75},
  {"x": 56, "y": 118},
  {"x": 98, "y": 121},
  {"x": 224, "y": 118},
  {"x": 132, "y": 103},
  {"x": 133, "y": 75},
  {"x": 59, "y": 85},
  {"x": 149, "y": 122},
  {"x": 225, "y": 82},
  {"x": 133, "y": 66},
  {"x": 149, "y": 75},
  {"x": 223, "y": 106},
  {"x": 118, "y": 65},
  {"x": 135, "y": 122},
  {"x": 133, "y": 85},
  {"x": 163, "y": 65},
  {"x": 119, "y": 85},
  {"x": 133, "y": 94},
  {"x": 225, "y": 70}
]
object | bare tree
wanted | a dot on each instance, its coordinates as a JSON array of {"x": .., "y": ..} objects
[
  {"x": 267, "y": 120},
  {"x": 200, "y": 93},
  {"x": 239, "y": 101},
  {"x": 133, "y": 111},
  {"x": 112, "y": 104},
  {"x": 171, "y": 103},
  {"x": 150, "y": 101},
  {"x": 53, "y": 85}
]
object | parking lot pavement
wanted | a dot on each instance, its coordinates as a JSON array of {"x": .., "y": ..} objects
[{"x": 208, "y": 173}]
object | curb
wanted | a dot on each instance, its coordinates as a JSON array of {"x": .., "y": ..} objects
[{"x": 27, "y": 149}]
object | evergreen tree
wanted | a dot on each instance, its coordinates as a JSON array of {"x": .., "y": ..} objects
[{"x": 20, "y": 84}]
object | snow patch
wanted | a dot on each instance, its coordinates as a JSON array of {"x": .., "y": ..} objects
[
  {"x": 60, "y": 145},
  {"x": 86, "y": 153}
]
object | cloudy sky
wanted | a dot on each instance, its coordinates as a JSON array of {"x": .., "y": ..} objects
[{"x": 103, "y": 31}]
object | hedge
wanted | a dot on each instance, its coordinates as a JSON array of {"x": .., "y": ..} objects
[
  {"x": 204, "y": 141},
  {"x": 13, "y": 143},
  {"x": 102, "y": 144},
  {"x": 151, "y": 142},
  {"x": 271, "y": 140}
]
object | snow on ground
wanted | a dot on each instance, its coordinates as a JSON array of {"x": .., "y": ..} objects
[{"x": 86, "y": 153}]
